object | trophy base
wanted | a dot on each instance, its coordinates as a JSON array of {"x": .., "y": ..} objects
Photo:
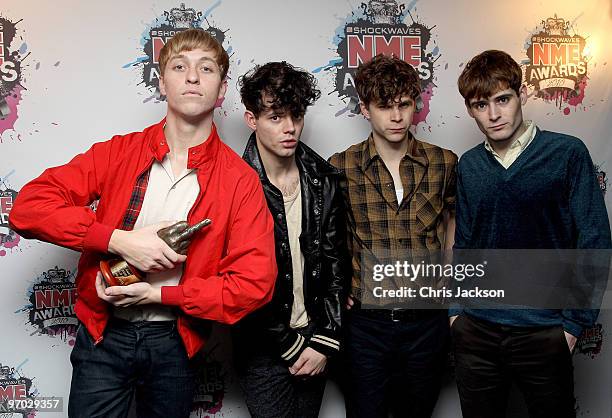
[{"x": 118, "y": 272}]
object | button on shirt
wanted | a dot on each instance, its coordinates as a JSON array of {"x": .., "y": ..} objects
[{"x": 166, "y": 199}]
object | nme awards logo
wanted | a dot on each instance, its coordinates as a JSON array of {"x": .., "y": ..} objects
[
  {"x": 210, "y": 385},
  {"x": 557, "y": 66},
  {"x": 8, "y": 238},
  {"x": 590, "y": 341},
  {"x": 378, "y": 27},
  {"x": 602, "y": 177},
  {"x": 160, "y": 31},
  {"x": 52, "y": 300},
  {"x": 10, "y": 73},
  {"x": 14, "y": 387}
]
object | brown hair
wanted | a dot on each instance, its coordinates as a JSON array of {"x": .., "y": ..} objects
[
  {"x": 488, "y": 73},
  {"x": 189, "y": 40},
  {"x": 384, "y": 78},
  {"x": 291, "y": 89}
]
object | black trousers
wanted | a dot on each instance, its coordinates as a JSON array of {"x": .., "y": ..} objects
[
  {"x": 269, "y": 389},
  {"x": 394, "y": 364},
  {"x": 490, "y": 357}
]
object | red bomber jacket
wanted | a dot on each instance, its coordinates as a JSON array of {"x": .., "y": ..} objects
[{"x": 230, "y": 268}]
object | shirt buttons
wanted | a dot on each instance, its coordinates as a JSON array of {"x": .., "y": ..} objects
[
  {"x": 288, "y": 276},
  {"x": 279, "y": 216},
  {"x": 316, "y": 242},
  {"x": 316, "y": 181},
  {"x": 314, "y": 273},
  {"x": 316, "y": 211},
  {"x": 284, "y": 245}
]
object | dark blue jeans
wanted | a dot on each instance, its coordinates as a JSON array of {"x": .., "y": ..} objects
[
  {"x": 394, "y": 365},
  {"x": 145, "y": 360}
]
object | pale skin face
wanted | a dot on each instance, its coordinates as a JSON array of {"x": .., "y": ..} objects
[
  {"x": 277, "y": 132},
  {"x": 500, "y": 116},
  {"x": 192, "y": 84},
  {"x": 390, "y": 121}
]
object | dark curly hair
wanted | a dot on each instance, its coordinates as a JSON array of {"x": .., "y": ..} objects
[
  {"x": 289, "y": 88},
  {"x": 487, "y": 73},
  {"x": 384, "y": 78}
]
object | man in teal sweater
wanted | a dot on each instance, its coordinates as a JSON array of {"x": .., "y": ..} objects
[{"x": 523, "y": 188}]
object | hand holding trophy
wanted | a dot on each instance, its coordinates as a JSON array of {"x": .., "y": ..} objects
[{"x": 117, "y": 271}]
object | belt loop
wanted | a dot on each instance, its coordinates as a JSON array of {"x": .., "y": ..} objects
[{"x": 393, "y": 315}]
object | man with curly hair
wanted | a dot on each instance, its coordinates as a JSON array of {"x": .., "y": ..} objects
[
  {"x": 401, "y": 197},
  {"x": 282, "y": 349}
]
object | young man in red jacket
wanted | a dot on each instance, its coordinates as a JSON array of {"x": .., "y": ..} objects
[{"x": 141, "y": 338}]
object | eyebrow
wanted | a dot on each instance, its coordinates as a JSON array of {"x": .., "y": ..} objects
[{"x": 181, "y": 56}]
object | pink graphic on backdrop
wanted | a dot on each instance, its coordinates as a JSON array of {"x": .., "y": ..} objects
[
  {"x": 12, "y": 102},
  {"x": 421, "y": 115}
]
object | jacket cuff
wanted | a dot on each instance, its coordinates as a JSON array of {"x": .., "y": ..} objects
[
  {"x": 324, "y": 344},
  {"x": 172, "y": 295},
  {"x": 98, "y": 237},
  {"x": 291, "y": 350},
  {"x": 572, "y": 327},
  {"x": 453, "y": 310}
]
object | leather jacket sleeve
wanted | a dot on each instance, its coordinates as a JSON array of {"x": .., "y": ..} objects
[{"x": 335, "y": 273}]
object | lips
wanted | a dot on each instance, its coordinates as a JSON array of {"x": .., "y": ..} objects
[
  {"x": 289, "y": 143},
  {"x": 192, "y": 93},
  {"x": 497, "y": 127}
]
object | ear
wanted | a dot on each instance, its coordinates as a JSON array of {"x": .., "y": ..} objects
[
  {"x": 364, "y": 110},
  {"x": 469, "y": 110},
  {"x": 222, "y": 90},
  {"x": 523, "y": 94},
  {"x": 162, "y": 85},
  {"x": 250, "y": 119}
]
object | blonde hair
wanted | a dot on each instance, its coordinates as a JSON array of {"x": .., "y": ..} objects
[{"x": 189, "y": 40}]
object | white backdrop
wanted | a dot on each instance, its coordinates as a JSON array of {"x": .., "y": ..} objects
[{"x": 79, "y": 87}]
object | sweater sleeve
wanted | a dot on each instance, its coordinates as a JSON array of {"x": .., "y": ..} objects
[
  {"x": 54, "y": 207},
  {"x": 592, "y": 231},
  {"x": 463, "y": 221},
  {"x": 247, "y": 271}
]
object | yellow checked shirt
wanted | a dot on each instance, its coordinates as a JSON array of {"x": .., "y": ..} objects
[{"x": 376, "y": 223}]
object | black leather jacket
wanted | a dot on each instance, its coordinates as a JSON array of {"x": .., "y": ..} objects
[{"x": 326, "y": 260}]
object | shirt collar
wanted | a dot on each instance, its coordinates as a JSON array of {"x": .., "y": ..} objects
[
  {"x": 414, "y": 152},
  {"x": 198, "y": 155},
  {"x": 522, "y": 141}
]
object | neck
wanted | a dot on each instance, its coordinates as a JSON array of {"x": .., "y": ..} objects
[
  {"x": 391, "y": 151},
  {"x": 277, "y": 169},
  {"x": 183, "y": 134},
  {"x": 502, "y": 147}
]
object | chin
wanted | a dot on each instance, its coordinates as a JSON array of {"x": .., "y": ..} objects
[{"x": 395, "y": 138}]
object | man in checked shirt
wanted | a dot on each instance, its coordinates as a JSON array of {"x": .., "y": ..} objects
[{"x": 400, "y": 196}]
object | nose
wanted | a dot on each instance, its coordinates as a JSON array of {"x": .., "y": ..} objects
[
  {"x": 192, "y": 76},
  {"x": 289, "y": 124},
  {"x": 494, "y": 113},
  {"x": 396, "y": 115}
]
